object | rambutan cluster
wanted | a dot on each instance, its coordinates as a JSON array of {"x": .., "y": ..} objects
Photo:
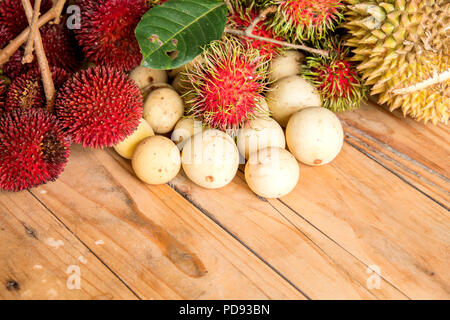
[
  {"x": 33, "y": 149},
  {"x": 336, "y": 78},
  {"x": 107, "y": 32},
  {"x": 227, "y": 84},
  {"x": 99, "y": 107}
]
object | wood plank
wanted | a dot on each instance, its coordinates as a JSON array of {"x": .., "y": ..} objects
[
  {"x": 302, "y": 254},
  {"x": 418, "y": 153},
  {"x": 379, "y": 219},
  {"x": 37, "y": 251},
  {"x": 155, "y": 240}
]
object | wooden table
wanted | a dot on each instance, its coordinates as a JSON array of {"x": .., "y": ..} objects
[{"x": 374, "y": 224}]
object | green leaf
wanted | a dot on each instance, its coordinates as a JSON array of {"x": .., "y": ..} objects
[{"x": 174, "y": 33}]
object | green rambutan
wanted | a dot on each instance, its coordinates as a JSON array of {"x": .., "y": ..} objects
[
  {"x": 227, "y": 84},
  {"x": 33, "y": 149},
  {"x": 107, "y": 31},
  {"x": 301, "y": 20},
  {"x": 99, "y": 107},
  {"x": 336, "y": 78}
]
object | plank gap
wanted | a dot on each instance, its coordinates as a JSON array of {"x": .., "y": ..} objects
[
  {"x": 211, "y": 217},
  {"x": 85, "y": 245},
  {"x": 396, "y": 174}
]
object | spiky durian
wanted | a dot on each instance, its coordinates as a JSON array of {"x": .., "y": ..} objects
[{"x": 402, "y": 51}]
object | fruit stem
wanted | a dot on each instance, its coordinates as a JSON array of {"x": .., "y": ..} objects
[
  {"x": 281, "y": 43},
  {"x": 29, "y": 48},
  {"x": 49, "y": 87},
  {"x": 261, "y": 17},
  {"x": 15, "y": 44}
]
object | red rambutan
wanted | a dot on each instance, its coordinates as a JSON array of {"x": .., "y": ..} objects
[
  {"x": 107, "y": 32},
  {"x": 27, "y": 91},
  {"x": 336, "y": 78},
  {"x": 33, "y": 149},
  {"x": 227, "y": 84},
  {"x": 306, "y": 19},
  {"x": 242, "y": 18},
  {"x": 13, "y": 19},
  {"x": 99, "y": 107},
  {"x": 2, "y": 95}
]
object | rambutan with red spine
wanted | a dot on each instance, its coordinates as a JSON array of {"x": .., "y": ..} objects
[
  {"x": 227, "y": 84},
  {"x": 2, "y": 95},
  {"x": 300, "y": 20},
  {"x": 242, "y": 18},
  {"x": 336, "y": 78},
  {"x": 13, "y": 19},
  {"x": 99, "y": 107},
  {"x": 107, "y": 32},
  {"x": 33, "y": 149},
  {"x": 27, "y": 90}
]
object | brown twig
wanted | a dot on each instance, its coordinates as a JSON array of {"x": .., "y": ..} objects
[
  {"x": 58, "y": 7},
  {"x": 28, "y": 55},
  {"x": 15, "y": 44},
  {"x": 46, "y": 74},
  {"x": 242, "y": 33},
  {"x": 261, "y": 17}
]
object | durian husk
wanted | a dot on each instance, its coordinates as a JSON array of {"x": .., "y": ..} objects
[{"x": 400, "y": 46}]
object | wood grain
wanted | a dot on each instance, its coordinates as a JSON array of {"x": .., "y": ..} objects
[
  {"x": 418, "y": 153},
  {"x": 37, "y": 251},
  {"x": 155, "y": 240},
  {"x": 302, "y": 254},
  {"x": 379, "y": 219}
]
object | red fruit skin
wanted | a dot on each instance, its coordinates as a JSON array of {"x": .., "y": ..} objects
[
  {"x": 2, "y": 95},
  {"x": 27, "y": 90},
  {"x": 99, "y": 107},
  {"x": 13, "y": 19},
  {"x": 226, "y": 92},
  {"x": 338, "y": 79},
  {"x": 107, "y": 32},
  {"x": 242, "y": 22},
  {"x": 33, "y": 149}
]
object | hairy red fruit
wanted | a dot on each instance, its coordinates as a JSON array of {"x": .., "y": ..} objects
[
  {"x": 13, "y": 19},
  {"x": 227, "y": 83},
  {"x": 107, "y": 32},
  {"x": 99, "y": 107},
  {"x": 336, "y": 78},
  {"x": 33, "y": 149},
  {"x": 306, "y": 19},
  {"x": 27, "y": 90},
  {"x": 242, "y": 18}
]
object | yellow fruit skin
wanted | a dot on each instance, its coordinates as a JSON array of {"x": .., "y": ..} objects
[
  {"x": 126, "y": 147},
  {"x": 400, "y": 46}
]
